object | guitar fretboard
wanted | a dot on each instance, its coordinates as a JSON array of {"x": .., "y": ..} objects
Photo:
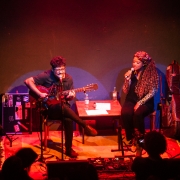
[{"x": 76, "y": 90}]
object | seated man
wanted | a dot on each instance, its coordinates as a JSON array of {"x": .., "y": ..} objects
[
  {"x": 57, "y": 80},
  {"x": 154, "y": 166}
]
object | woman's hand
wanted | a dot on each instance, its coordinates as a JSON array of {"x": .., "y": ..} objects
[
  {"x": 127, "y": 75},
  {"x": 136, "y": 106}
]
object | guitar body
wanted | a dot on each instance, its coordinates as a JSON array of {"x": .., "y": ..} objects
[{"x": 34, "y": 98}]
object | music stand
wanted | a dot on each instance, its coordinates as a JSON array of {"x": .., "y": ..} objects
[
  {"x": 61, "y": 98},
  {"x": 62, "y": 126}
]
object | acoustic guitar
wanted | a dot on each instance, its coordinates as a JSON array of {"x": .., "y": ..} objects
[{"x": 55, "y": 95}]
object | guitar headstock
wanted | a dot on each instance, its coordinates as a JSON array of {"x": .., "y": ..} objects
[{"x": 91, "y": 87}]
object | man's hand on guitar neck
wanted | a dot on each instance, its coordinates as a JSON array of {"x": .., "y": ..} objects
[{"x": 71, "y": 95}]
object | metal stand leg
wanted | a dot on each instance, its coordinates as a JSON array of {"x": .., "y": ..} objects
[
  {"x": 62, "y": 136},
  {"x": 11, "y": 139},
  {"x": 43, "y": 117},
  {"x": 120, "y": 144}
]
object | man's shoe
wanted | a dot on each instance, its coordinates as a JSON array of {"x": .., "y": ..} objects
[
  {"x": 71, "y": 153},
  {"x": 89, "y": 131}
]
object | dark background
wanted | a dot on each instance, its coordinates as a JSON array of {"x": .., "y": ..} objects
[{"x": 98, "y": 38}]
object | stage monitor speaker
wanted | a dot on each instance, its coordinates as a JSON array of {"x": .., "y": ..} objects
[{"x": 70, "y": 170}]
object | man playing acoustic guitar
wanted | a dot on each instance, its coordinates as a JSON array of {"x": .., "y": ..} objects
[{"x": 56, "y": 81}]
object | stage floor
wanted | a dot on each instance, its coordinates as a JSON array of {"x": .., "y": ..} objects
[{"x": 95, "y": 148}]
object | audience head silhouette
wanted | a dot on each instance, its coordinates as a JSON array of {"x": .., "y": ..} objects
[
  {"x": 12, "y": 168},
  {"x": 155, "y": 167},
  {"x": 27, "y": 156},
  {"x": 16, "y": 167},
  {"x": 155, "y": 143}
]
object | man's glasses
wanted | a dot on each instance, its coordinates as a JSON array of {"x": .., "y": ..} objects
[{"x": 59, "y": 70}]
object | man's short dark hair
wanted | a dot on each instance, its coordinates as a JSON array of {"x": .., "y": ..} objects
[
  {"x": 57, "y": 62},
  {"x": 155, "y": 143}
]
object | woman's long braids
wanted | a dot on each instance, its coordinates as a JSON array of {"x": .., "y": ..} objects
[{"x": 149, "y": 79}]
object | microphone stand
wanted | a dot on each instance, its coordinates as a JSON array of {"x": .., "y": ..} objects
[
  {"x": 43, "y": 115},
  {"x": 62, "y": 113}
]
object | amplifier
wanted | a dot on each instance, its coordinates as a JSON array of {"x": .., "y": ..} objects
[{"x": 16, "y": 113}]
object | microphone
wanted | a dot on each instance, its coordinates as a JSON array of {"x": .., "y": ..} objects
[
  {"x": 61, "y": 82},
  {"x": 60, "y": 78},
  {"x": 132, "y": 69}
]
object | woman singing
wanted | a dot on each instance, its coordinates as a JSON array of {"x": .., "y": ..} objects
[{"x": 140, "y": 86}]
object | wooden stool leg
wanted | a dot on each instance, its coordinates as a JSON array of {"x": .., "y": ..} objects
[{"x": 153, "y": 121}]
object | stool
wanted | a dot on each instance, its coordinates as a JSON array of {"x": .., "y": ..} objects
[
  {"x": 46, "y": 129},
  {"x": 152, "y": 118}
]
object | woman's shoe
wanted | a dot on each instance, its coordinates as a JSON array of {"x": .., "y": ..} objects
[
  {"x": 139, "y": 150},
  {"x": 129, "y": 143}
]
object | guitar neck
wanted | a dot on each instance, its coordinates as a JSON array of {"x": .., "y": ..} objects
[{"x": 76, "y": 90}]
